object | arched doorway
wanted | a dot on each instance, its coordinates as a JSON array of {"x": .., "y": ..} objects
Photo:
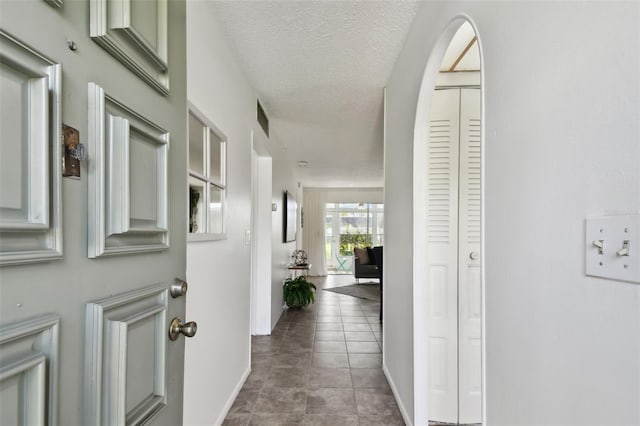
[{"x": 448, "y": 271}]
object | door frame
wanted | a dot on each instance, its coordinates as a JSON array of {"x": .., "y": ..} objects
[
  {"x": 260, "y": 236},
  {"x": 420, "y": 244}
]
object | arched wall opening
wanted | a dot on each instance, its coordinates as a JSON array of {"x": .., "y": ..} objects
[{"x": 421, "y": 247}]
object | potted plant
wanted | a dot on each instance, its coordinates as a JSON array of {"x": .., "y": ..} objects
[{"x": 298, "y": 292}]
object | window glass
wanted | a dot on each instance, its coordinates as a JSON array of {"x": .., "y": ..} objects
[
  {"x": 328, "y": 235},
  {"x": 349, "y": 225},
  {"x": 196, "y": 209},
  {"x": 207, "y": 168},
  {"x": 216, "y": 207},
  {"x": 196, "y": 145},
  {"x": 215, "y": 158}
]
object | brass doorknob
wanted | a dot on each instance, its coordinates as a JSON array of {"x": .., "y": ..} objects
[{"x": 188, "y": 329}]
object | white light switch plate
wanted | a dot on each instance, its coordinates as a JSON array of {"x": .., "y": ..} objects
[{"x": 613, "y": 231}]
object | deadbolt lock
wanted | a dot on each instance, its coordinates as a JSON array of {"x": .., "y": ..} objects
[{"x": 178, "y": 288}]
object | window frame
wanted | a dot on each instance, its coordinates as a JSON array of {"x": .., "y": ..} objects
[{"x": 205, "y": 180}]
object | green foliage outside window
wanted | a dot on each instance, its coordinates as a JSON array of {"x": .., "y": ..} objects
[{"x": 348, "y": 241}]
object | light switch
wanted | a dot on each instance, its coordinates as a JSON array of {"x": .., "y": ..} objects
[{"x": 613, "y": 247}]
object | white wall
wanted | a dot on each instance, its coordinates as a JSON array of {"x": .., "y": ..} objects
[
  {"x": 562, "y": 142},
  {"x": 218, "y": 272},
  {"x": 261, "y": 243},
  {"x": 283, "y": 179}
]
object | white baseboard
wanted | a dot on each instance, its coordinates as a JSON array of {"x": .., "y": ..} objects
[
  {"x": 403, "y": 411},
  {"x": 233, "y": 396},
  {"x": 284, "y": 308}
]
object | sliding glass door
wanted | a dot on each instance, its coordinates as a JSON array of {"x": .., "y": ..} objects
[{"x": 349, "y": 225}]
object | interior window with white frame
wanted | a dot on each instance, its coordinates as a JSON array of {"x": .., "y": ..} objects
[{"x": 207, "y": 179}]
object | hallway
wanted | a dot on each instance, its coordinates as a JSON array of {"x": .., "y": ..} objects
[{"x": 321, "y": 366}]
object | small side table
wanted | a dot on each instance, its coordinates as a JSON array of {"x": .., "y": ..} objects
[{"x": 303, "y": 268}]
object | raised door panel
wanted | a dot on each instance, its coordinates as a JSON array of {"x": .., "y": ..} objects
[
  {"x": 30, "y": 208},
  {"x": 442, "y": 344},
  {"x": 129, "y": 211},
  {"x": 29, "y": 371},
  {"x": 136, "y": 33},
  {"x": 126, "y": 341}
]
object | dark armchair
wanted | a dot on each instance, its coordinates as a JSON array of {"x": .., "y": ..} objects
[
  {"x": 363, "y": 265},
  {"x": 368, "y": 264}
]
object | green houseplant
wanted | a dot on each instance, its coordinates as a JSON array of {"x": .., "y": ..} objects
[{"x": 298, "y": 292}]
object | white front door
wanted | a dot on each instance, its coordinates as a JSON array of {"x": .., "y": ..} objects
[
  {"x": 453, "y": 202},
  {"x": 87, "y": 263}
]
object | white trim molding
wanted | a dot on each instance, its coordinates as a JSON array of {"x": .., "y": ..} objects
[
  {"x": 233, "y": 396},
  {"x": 396, "y": 395},
  {"x": 31, "y": 219},
  {"x": 113, "y": 227}
]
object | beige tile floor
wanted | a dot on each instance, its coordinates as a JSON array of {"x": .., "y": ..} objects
[{"x": 321, "y": 366}]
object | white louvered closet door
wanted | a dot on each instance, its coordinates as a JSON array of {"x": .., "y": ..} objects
[
  {"x": 469, "y": 298},
  {"x": 442, "y": 237},
  {"x": 453, "y": 201}
]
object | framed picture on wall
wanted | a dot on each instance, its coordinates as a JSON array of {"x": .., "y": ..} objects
[{"x": 289, "y": 217}]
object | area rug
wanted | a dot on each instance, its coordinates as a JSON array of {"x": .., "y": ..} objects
[{"x": 363, "y": 291}]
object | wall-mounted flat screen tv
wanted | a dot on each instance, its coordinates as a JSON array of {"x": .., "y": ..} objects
[{"x": 290, "y": 211}]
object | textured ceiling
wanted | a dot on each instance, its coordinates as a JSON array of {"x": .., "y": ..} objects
[{"x": 320, "y": 68}]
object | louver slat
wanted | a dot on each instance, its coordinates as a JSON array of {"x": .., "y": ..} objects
[
  {"x": 473, "y": 181},
  {"x": 439, "y": 181}
]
